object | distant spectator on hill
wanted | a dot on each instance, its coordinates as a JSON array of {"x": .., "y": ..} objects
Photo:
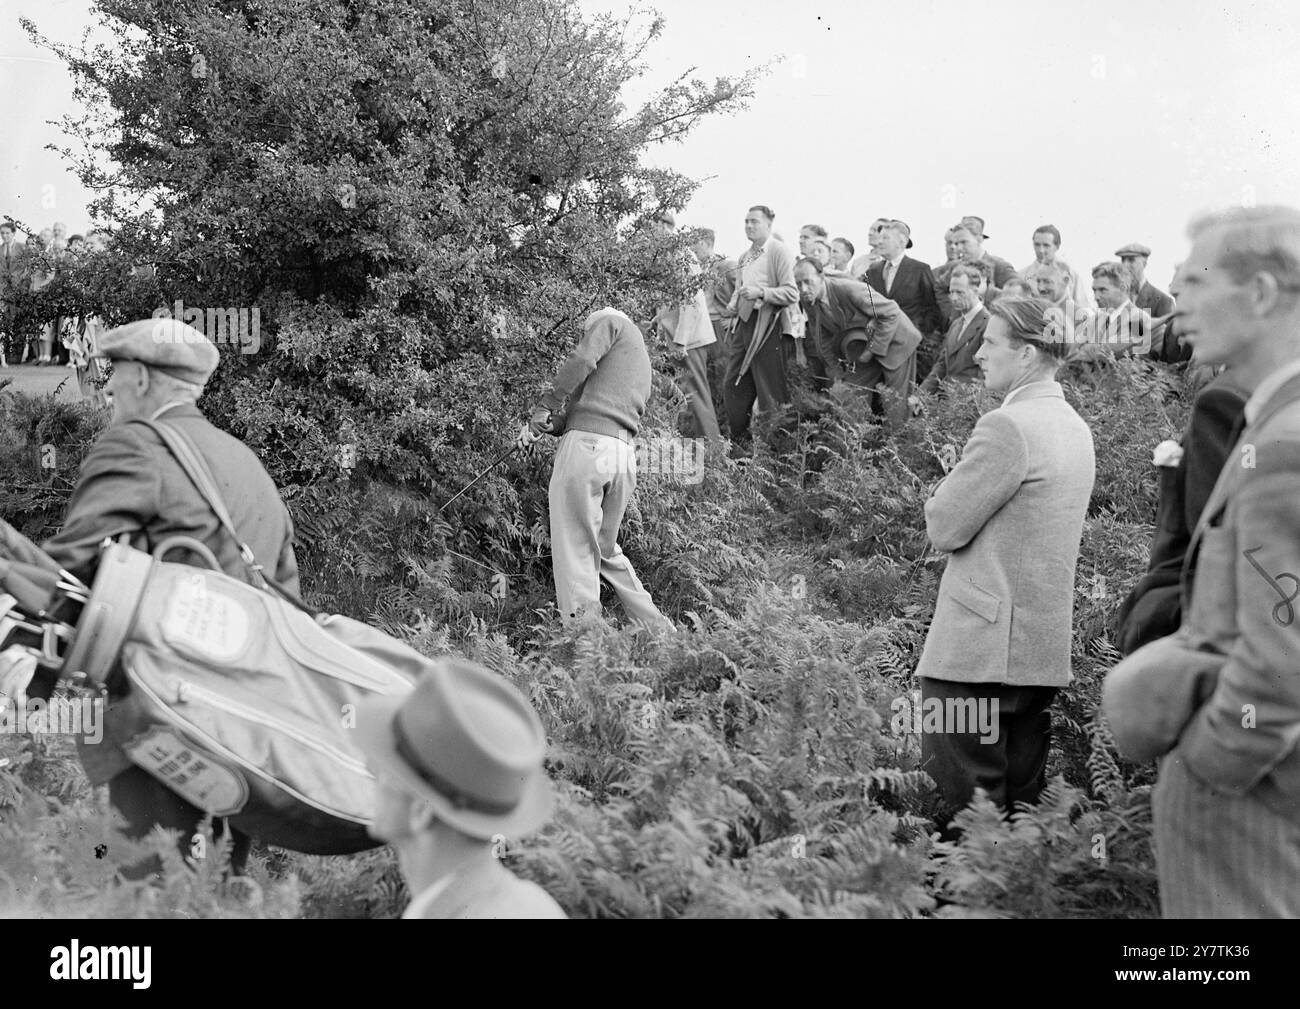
[
  {"x": 909, "y": 283},
  {"x": 809, "y": 234},
  {"x": 841, "y": 255},
  {"x": 719, "y": 285},
  {"x": 858, "y": 268},
  {"x": 1047, "y": 242},
  {"x": 1117, "y": 327},
  {"x": 956, "y": 357}
]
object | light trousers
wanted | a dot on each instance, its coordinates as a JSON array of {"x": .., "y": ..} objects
[{"x": 591, "y": 483}]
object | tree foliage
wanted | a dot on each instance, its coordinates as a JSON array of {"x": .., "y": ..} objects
[{"x": 421, "y": 198}]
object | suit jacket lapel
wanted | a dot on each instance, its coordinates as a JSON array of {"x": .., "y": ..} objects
[{"x": 1222, "y": 487}]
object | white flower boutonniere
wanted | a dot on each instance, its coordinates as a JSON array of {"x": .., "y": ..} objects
[{"x": 1167, "y": 453}]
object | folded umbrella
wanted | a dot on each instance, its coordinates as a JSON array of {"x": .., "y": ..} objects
[{"x": 756, "y": 344}]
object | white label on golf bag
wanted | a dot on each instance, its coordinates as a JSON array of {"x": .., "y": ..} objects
[
  {"x": 210, "y": 623},
  {"x": 189, "y": 772}
]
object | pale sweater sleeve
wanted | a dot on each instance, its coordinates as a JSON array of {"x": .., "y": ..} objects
[
  {"x": 595, "y": 343},
  {"x": 993, "y": 465}
]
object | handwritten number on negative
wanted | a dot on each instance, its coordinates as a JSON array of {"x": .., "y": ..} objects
[{"x": 1285, "y": 604}]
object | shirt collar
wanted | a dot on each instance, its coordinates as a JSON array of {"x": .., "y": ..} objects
[
  {"x": 1271, "y": 384},
  {"x": 419, "y": 907},
  {"x": 979, "y": 307},
  {"x": 165, "y": 407},
  {"x": 898, "y": 261},
  {"x": 1028, "y": 385},
  {"x": 1128, "y": 306}
]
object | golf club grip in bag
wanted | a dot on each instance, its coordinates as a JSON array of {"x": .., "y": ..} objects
[{"x": 239, "y": 700}]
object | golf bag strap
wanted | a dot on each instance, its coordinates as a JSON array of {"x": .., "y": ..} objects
[{"x": 196, "y": 468}]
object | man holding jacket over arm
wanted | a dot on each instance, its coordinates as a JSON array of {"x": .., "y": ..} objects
[{"x": 765, "y": 293}]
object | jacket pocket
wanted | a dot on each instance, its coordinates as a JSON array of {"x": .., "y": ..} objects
[{"x": 979, "y": 601}]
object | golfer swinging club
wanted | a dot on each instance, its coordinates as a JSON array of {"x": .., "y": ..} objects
[{"x": 606, "y": 381}]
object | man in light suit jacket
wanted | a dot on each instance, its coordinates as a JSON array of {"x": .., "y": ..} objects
[
  {"x": 458, "y": 768},
  {"x": 956, "y": 358},
  {"x": 1220, "y": 699},
  {"x": 1011, "y": 514},
  {"x": 840, "y": 308},
  {"x": 762, "y": 302},
  {"x": 910, "y": 284}
]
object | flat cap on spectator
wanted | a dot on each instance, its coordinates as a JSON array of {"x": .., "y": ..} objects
[
  {"x": 1134, "y": 249},
  {"x": 975, "y": 225},
  {"x": 165, "y": 344}
]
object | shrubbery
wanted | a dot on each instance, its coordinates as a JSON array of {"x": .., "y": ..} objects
[{"x": 744, "y": 766}]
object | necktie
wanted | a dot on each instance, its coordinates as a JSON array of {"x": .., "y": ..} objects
[
  {"x": 744, "y": 306},
  {"x": 889, "y": 275}
]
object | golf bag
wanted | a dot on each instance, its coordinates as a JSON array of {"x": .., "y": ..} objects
[{"x": 237, "y": 697}]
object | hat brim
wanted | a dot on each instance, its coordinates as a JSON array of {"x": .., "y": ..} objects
[{"x": 375, "y": 740}]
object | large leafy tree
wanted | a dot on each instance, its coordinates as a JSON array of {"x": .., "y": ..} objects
[{"x": 420, "y": 198}]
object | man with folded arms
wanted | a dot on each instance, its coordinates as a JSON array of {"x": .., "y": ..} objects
[
  {"x": 1011, "y": 515},
  {"x": 1219, "y": 700}
]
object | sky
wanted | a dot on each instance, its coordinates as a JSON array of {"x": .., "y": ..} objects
[{"x": 1115, "y": 121}]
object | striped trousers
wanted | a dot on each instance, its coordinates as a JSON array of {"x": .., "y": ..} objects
[{"x": 1221, "y": 856}]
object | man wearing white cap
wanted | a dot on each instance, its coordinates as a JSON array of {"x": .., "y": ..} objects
[
  {"x": 130, "y": 484},
  {"x": 459, "y": 766}
]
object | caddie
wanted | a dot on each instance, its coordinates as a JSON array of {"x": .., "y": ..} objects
[
  {"x": 130, "y": 484},
  {"x": 594, "y": 406}
]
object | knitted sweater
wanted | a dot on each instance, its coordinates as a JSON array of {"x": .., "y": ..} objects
[{"x": 606, "y": 379}]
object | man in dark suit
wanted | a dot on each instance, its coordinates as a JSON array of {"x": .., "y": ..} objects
[
  {"x": 956, "y": 358},
  {"x": 839, "y": 308},
  {"x": 971, "y": 248},
  {"x": 1219, "y": 700},
  {"x": 131, "y": 484},
  {"x": 909, "y": 284},
  {"x": 1154, "y": 608}
]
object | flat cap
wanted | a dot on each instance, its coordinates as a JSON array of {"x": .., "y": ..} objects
[
  {"x": 1134, "y": 249},
  {"x": 975, "y": 225},
  {"x": 168, "y": 345}
]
